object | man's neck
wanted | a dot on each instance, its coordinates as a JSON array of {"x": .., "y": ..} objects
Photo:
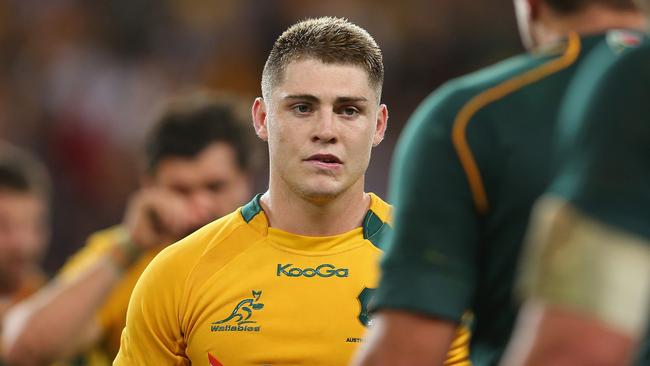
[
  {"x": 593, "y": 20},
  {"x": 293, "y": 213}
]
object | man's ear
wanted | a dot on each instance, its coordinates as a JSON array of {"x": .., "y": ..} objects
[
  {"x": 259, "y": 119},
  {"x": 382, "y": 124}
]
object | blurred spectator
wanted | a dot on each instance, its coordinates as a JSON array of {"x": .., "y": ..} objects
[
  {"x": 199, "y": 158},
  {"x": 24, "y": 225}
]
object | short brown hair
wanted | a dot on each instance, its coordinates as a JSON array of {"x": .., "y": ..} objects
[
  {"x": 329, "y": 40},
  {"x": 194, "y": 120},
  {"x": 21, "y": 172},
  {"x": 572, "y": 6}
]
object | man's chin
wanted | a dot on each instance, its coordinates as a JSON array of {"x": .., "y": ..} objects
[{"x": 320, "y": 195}]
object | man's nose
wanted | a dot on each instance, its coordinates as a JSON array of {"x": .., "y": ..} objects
[{"x": 325, "y": 128}]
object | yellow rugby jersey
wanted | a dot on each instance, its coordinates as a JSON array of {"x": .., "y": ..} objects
[
  {"x": 112, "y": 315},
  {"x": 238, "y": 292}
]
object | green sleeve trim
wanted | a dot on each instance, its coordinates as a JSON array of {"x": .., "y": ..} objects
[
  {"x": 375, "y": 230},
  {"x": 252, "y": 208}
]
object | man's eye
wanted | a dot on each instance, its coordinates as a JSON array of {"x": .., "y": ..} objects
[
  {"x": 215, "y": 187},
  {"x": 302, "y": 108},
  {"x": 350, "y": 111},
  {"x": 182, "y": 190}
]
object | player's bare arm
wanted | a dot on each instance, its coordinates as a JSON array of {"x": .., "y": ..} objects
[
  {"x": 41, "y": 328},
  {"x": 406, "y": 339}
]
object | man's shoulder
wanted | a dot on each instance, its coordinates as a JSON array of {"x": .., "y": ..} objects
[
  {"x": 377, "y": 222},
  {"x": 633, "y": 64},
  {"x": 194, "y": 259},
  {"x": 622, "y": 46},
  {"x": 213, "y": 236},
  {"x": 619, "y": 52},
  {"x": 449, "y": 100},
  {"x": 607, "y": 71},
  {"x": 380, "y": 208},
  {"x": 191, "y": 262},
  {"x": 495, "y": 74}
]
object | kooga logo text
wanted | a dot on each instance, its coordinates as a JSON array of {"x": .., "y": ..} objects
[{"x": 324, "y": 270}]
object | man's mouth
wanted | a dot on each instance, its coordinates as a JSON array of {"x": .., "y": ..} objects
[{"x": 325, "y": 160}]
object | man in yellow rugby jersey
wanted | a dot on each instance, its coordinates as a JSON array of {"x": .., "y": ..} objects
[
  {"x": 284, "y": 280},
  {"x": 199, "y": 155}
]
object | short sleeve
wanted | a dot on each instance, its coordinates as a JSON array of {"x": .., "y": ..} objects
[
  {"x": 430, "y": 261},
  {"x": 153, "y": 334}
]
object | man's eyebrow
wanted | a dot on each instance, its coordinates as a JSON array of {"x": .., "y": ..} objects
[
  {"x": 307, "y": 97},
  {"x": 314, "y": 99},
  {"x": 340, "y": 100}
]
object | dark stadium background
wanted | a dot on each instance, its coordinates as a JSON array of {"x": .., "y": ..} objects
[{"x": 80, "y": 80}]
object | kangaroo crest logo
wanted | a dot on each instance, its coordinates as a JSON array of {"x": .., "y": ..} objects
[
  {"x": 365, "y": 298},
  {"x": 244, "y": 310},
  {"x": 241, "y": 316}
]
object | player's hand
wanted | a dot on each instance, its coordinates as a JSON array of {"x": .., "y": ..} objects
[{"x": 157, "y": 216}]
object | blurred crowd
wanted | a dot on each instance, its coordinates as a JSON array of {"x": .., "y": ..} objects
[{"x": 81, "y": 81}]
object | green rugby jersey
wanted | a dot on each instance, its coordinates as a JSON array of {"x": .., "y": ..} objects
[
  {"x": 605, "y": 139},
  {"x": 471, "y": 162}
]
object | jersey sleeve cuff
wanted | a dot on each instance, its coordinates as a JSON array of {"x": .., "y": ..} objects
[{"x": 429, "y": 294}]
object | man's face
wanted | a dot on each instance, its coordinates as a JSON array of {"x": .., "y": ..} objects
[
  {"x": 24, "y": 233},
  {"x": 321, "y": 123},
  {"x": 212, "y": 183}
]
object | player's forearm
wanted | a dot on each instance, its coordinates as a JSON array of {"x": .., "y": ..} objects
[
  {"x": 572, "y": 359},
  {"x": 403, "y": 339},
  {"x": 570, "y": 318},
  {"x": 58, "y": 320},
  {"x": 578, "y": 352},
  {"x": 556, "y": 336}
]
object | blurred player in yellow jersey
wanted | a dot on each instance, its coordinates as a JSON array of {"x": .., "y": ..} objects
[
  {"x": 198, "y": 162},
  {"x": 24, "y": 225},
  {"x": 286, "y": 279}
]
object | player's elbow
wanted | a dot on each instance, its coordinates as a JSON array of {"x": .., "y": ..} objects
[
  {"x": 583, "y": 352},
  {"x": 22, "y": 345},
  {"x": 576, "y": 359},
  {"x": 28, "y": 350},
  {"x": 19, "y": 356},
  {"x": 21, "y": 352}
]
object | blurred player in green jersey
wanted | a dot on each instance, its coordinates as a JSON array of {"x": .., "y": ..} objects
[
  {"x": 587, "y": 269},
  {"x": 470, "y": 164}
]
